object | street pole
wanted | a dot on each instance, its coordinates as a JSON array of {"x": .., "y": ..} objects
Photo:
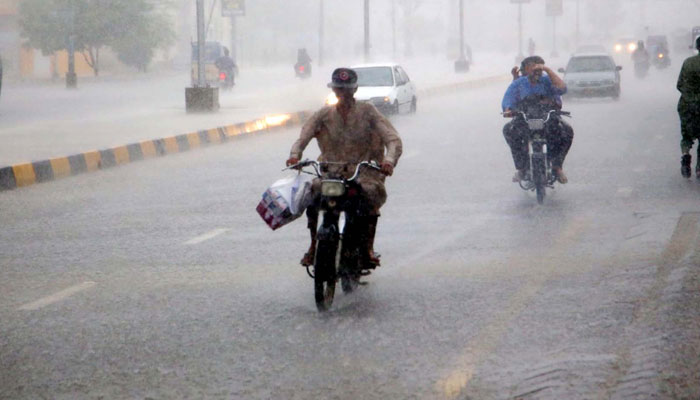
[
  {"x": 393, "y": 28},
  {"x": 520, "y": 31},
  {"x": 554, "y": 37},
  {"x": 461, "y": 65},
  {"x": 320, "y": 33},
  {"x": 71, "y": 76},
  {"x": 366, "y": 30},
  {"x": 201, "y": 42},
  {"x": 578, "y": 11}
]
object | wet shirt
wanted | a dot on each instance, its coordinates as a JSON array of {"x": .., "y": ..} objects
[
  {"x": 364, "y": 136},
  {"x": 521, "y": 89},
  {"x": 689, "y": 81}
]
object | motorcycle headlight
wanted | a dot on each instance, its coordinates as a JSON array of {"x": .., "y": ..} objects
[
  {"x": 332, "y": 188},
  {"x": 631, "y": 47},
  {"x": 331, "y": 100},
  {"x": 661, "y": 55}
]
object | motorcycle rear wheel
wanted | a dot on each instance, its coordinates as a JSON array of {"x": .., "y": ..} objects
[{"x": 325, "y": 274}]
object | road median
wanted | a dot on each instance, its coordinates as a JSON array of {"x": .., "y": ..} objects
[{"x": 26, "y": 174}]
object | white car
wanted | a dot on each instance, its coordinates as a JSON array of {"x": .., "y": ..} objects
[
  {"x": 386, "y": 86},
  {"x": 592, "y": 74}
]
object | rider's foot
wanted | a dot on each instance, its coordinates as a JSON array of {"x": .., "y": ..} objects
[
  {"x": 561, "y": 176},
  {"x": 374, "y": 258},
  {"x": 519, "y": 175},
  {"x": 685, "y": 165}
]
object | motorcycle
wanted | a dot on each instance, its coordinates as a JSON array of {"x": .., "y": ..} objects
[
  {"x": 641, "y": 69},
  {"x": 226, "y": 81},
  {"x": 302, "y": 70},
  {"x": 661, "y": 60},
  {"x": 339, "y": 197},
  {"x": 537, "y": 121}
]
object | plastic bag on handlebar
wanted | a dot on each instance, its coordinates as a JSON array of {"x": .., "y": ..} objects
[{"x": 285, "y": 200}]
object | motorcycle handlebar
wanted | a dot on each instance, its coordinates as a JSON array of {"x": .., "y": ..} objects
[{"x": 316, "y": 165}]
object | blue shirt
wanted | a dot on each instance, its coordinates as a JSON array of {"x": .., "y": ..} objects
[{"x": 521, "y": 89}]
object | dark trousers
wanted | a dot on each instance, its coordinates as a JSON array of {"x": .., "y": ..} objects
[
  {"x": 690, "y": 126},
  {"x": 558, "y": 143}
]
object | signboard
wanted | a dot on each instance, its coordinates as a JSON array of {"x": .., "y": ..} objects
[
  {"x": 232, "y": 8},
  {"x": 555, "y": 8}
]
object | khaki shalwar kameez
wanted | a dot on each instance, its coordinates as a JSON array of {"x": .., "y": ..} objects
[{"x": 362, "y": 136}]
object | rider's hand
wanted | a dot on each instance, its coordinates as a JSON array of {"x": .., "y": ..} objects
[
  {"x": 515, "y": 72},
  {"x": 387, "y": 168},
  {"x": 292, "y": 161}
]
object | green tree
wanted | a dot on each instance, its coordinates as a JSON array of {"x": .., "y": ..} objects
[
  {"x": 144, "y": 33},
  {"x": 123, "y": 24}
]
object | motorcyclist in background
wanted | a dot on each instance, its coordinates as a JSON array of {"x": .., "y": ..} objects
[
  {"x": 226, "y": 65},
  {"x": 303, "y": 59},
  {"x": 550, "y": 87},
  {"x": 640, "y": 56},
  {"x": 351, "y": 132},
  {"x": 689, "y": 110}
]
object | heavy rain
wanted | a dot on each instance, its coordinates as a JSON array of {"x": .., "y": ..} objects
[{"x": 528, "y": 226}]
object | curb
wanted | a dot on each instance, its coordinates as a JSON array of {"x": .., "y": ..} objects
[{"x": 21, "y": 175}]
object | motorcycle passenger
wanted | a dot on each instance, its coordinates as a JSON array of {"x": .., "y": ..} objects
[
  {"x": 689, "y": 110},
  {"x": 351, "y": 132},
  {"x": 549, "y": 87},
  {"x": 640, "y": 56},
  {"x": 226, "y": 65}
]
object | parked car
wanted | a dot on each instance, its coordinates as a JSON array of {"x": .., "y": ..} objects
[
  {"x": 588, "y": 75},
  {"x": 386, "y": 86}
]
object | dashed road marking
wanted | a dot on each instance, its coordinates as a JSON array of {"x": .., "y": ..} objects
[
  {"x": 486, "y": 342},
  {"x": 624, "y": 191},
  {"x": 207, "y": 236},
  {"x": 56, "y": 297}
]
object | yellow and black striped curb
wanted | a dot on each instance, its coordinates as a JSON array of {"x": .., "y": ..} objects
[
  {"x": 26, "y": 174},
  {"x": 21, "y": 175}
]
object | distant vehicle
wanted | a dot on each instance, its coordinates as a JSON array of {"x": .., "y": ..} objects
[
  {"x": 590, "y": 75},
  {"x": 212, "y": 52},
  {"x": 695, "y": 33},
  {"x": 386, "y": 86},
  {"x": 591, "y": 48},
  {"x": 625, "y": 45},
  {"x": 658, "y": 48}
]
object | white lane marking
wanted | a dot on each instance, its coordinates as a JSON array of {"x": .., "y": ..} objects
[
  {"x": 624, "y": 191},
  {"x": 410, "y": 154},
  {"x": 56, "y": 297},
  {"x": 207, "y": 236}
]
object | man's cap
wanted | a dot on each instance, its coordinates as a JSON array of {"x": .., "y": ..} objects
[{"x": 343, "y": 78}]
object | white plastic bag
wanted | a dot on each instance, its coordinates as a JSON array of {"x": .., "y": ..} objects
[{"x": 285, "y": 200}]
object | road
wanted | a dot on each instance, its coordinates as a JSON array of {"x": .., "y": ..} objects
[{"x": 157, "y": 280}]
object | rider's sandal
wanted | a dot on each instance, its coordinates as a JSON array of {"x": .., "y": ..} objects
[{"x": 307, "y": 260}]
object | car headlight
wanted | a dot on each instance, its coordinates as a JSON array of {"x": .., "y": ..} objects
[
  {"x": 331, "y": 99},
  {"x": 661, "y": 55},
  {"x": 618, "y": 48},
  {"x": 378, "y": 101},
  {"x": 332, "y": 188},
  {"x": 631, "y": 47}
]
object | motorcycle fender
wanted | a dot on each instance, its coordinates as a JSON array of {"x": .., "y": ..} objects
[{"x": 328, "y": 232}]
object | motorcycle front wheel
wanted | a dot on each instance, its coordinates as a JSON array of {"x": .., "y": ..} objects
[
  {"x": 539, "y": 176},
  {"x": 325, "y": 274}
]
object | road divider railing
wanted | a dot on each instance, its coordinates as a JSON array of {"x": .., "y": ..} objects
[{"x": 21, "y": 175}]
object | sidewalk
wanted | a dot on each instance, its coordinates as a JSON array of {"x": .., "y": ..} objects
[{"x": 39, "y": 122}]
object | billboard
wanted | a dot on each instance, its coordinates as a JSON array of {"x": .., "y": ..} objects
[
  {"x": 554, "y": 8},
  {"x": 232, "y": 8}
]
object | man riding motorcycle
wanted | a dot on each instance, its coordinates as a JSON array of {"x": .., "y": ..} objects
[
  {"x": 349, "y": 133},
  {"x": 550, "y": 88},
  {"x": 226, "y": 65},
  {"x": 689, "y": 110}
]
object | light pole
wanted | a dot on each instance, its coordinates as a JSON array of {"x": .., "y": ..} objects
[
  {"x": 366, "y": 30},
  {"x": 320, "y": 33},
  {"x": 201, "y": 97},
  {"x": 520, "y": 56},
  {"x": 461, "y": 65}
]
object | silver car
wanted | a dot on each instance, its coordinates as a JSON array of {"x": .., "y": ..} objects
[{"x": 590, "y": 75}]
